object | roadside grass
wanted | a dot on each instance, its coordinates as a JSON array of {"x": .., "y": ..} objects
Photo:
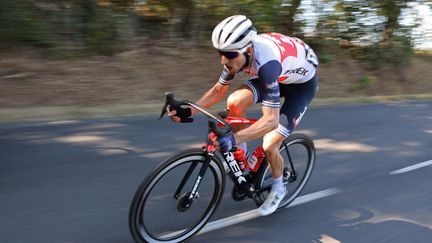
[{"x": 57, "y": 113}]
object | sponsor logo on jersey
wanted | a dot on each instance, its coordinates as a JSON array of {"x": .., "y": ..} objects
[
  {"x": 274, "y": 94},
  {"x": 300, "y": 71},
  {"x": 296, "y": 121},
  {"x": 272, "y": 85}
]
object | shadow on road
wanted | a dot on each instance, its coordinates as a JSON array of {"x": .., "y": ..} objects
[{"x": 368, "y": 227}]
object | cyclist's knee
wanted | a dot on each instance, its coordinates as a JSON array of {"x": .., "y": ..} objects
[
  {"x": 236, "y": 104},
  {"x": 270, "y": 150},
  {"x": 271, "y": 143},
  {"x": 240, "y": 100}
]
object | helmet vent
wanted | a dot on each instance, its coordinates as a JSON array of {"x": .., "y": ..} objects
[{"x": 235, "y": 27}]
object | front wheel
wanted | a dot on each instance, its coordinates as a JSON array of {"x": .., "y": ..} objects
[
  {"x": 298, "y": 153},
  {"x": 161, "y": 212}
]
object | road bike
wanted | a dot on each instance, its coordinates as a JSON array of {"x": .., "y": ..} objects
[{"x": 176, "y": 200}]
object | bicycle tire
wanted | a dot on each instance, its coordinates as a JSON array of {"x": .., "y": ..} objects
[
  {"x": 137, "y": 211},
  {"x": 265, "y": 174}
]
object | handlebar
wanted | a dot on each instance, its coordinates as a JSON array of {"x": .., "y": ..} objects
[
  {"x": 169, "y": 100},
  {"x": 213, "y": 127}
]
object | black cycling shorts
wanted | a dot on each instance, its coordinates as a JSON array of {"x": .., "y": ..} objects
[{"x": 297, "y": 100}]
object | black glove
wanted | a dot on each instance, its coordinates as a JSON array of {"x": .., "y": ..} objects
[{"x": 183, "y": 113}]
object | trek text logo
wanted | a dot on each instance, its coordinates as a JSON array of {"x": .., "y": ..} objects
[
  {"x": 300, "y": 71},
  {"x": 234, "y": 167},
  {"x": 195, "y": 187}
]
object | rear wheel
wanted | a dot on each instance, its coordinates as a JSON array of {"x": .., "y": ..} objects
[
  {"x": 159, "y": 214},
  {"x": 298, "y": 153}
]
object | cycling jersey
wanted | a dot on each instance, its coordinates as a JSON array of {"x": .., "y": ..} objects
[
  {"x": 282, "y": 66},
  {"x": 278, "y": 59}
]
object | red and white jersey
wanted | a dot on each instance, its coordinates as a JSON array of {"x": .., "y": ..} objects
[{"x": 298, "y": 60}]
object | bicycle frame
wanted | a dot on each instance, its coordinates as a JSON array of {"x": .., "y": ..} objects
[
  {"x": 197, "y": 162},
  {"x": 236, "y": 173}
]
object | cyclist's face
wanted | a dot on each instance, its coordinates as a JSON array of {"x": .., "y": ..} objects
[{"x": 234, "y": 65}]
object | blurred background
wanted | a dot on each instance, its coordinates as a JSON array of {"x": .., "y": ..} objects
[
  {"x": 73, "y": 181},
  {"x": 101, "y": 52}
]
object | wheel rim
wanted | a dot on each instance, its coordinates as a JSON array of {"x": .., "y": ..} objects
[
  {"x": 150, "y": 208},
  {"x": 303, "y": 157}
]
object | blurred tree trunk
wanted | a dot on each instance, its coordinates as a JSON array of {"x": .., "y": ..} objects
[
  {"x": 286, "y": 23},
  {"x": 87, "y": 14},
  {"x": 180, "y": 11},
  {"x": 391, "y": 9}
]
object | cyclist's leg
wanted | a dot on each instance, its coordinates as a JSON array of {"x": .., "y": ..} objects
[
  {"x": 238, "y": 102},
  {"x": 271, "y": 144},
  {"x": 297, "y": 99}
]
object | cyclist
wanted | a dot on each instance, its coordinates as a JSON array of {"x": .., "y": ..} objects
[{"x": 280, "y": 66}]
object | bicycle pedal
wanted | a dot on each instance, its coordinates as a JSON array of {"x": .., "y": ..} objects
[{"x": 287, "y": 177}]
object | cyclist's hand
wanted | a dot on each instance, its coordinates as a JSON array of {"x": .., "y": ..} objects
[
  {"x": 179, "y": 114},
  {"x": 226, "y": 143},
  {"x": 172, "y": 115}
]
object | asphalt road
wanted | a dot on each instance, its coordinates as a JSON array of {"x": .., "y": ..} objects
[{"x": 73, "y": 181}]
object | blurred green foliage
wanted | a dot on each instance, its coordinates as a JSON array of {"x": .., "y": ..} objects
[
  {"x": 20, "y": 21},
  {"x": 364, "y": 83},
  {"x": 369, "y": 30},
  {"x": 61, "y": 27}
]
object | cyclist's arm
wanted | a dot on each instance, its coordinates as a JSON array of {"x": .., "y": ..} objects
[
  {"x": 217, "y": 92},
  {"x": 213, "y": 96},
  {"x": 267, "y": 75},
  {"x": 267, "y": 123}
]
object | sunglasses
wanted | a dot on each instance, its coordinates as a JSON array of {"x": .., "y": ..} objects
[{"x": 229, "y": 54}]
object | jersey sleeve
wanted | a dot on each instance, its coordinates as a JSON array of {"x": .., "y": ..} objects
[
  {"x": 268, "y": 74},
  {"x": 225, "y": 77}
]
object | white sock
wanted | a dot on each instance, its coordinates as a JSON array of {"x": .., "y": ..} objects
[
  {"x": 278, "y": 185},
  {"x": 243, "y": 146}
]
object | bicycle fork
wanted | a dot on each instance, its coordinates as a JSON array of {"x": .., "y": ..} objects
[
  {"x": 193, "y": 194},
  {"x": 236, "y": 174}
]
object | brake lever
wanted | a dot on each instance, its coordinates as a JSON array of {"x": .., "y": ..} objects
[
  {"x": 170, "y": 101},
  {"x": 163, "y": 110},
  {"x": 218, "y": 131}
]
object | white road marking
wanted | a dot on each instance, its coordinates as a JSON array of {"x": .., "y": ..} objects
[
  {"x": 248, "y": 215},
  {"x": 412, "y": 167}
]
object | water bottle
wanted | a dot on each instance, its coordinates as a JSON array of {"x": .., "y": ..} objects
[
  {"x": 241, "y": 158},
  {"x": 255, "y": 160}
]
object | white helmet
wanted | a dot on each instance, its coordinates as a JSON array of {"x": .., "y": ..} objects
[{"x": 234, "y": 33}]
